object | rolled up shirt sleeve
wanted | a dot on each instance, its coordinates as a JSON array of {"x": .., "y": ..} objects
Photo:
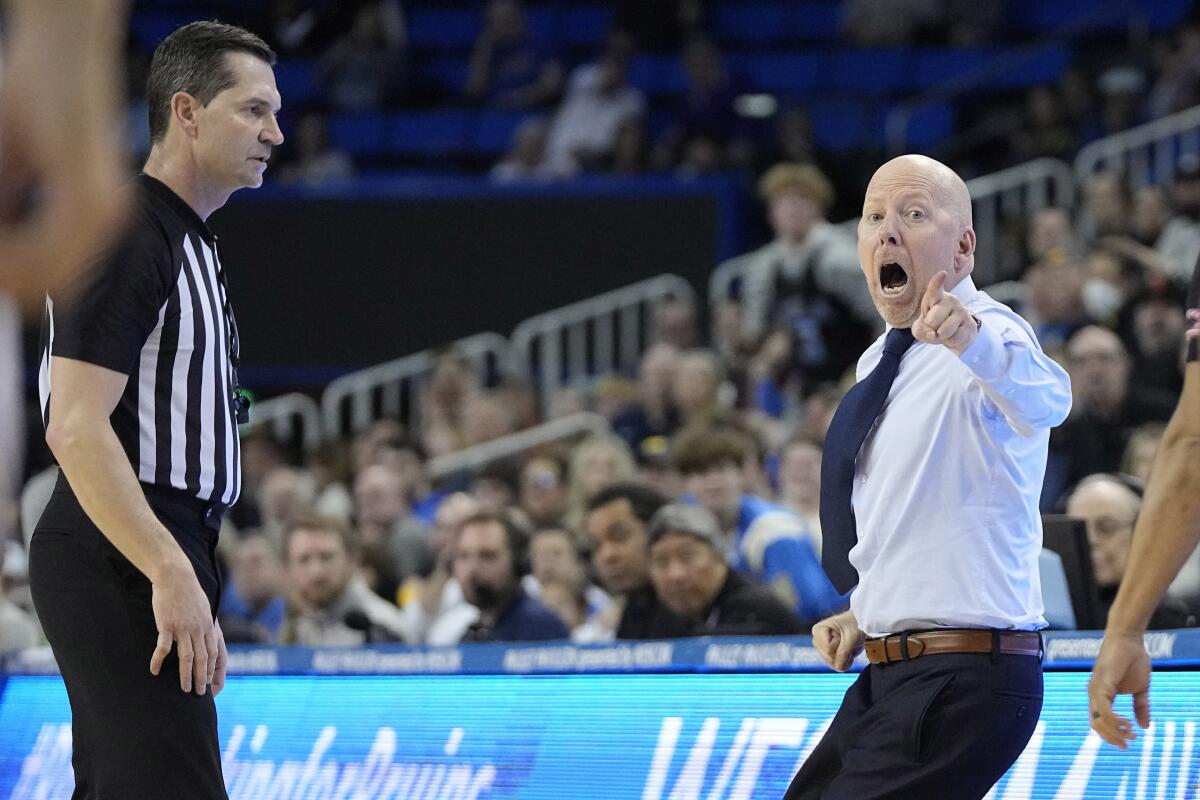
[{"x": 1025, "y": 385}]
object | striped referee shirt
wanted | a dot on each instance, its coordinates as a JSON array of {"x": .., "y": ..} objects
[{"x": 158, "y": 311}]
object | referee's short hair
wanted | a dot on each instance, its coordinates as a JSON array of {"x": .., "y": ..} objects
[{"x": 192, "y": 60}]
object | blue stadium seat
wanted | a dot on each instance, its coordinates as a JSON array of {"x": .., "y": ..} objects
[
  {"x": 1045, "y": 66},
  {"x": 785, "y": 72},
  {"x": 658, "y": 75},
  {"x": 492, "y": 131},
  {"x": 583, "y": 26},
  {"x": 147, "y": 30},
  {"x": 297, "y": 82},
  {"x": 429, "y": 133},
  {"x": 444, "y": 28},
  {"x": 880, "y": 71},
  {"x": 935, "y": 67},
  {"x": 1026, "y": 17},
  {"x": 360, "y": 134},
  {"x": 448, "y": 72},
  {"x": 841, "y": 125},
  {"x": 928, "y": 126},
  {"x": 778, "y": 21}
]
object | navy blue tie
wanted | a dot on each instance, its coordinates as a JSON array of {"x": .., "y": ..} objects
[{"x": 853, "y": 420}]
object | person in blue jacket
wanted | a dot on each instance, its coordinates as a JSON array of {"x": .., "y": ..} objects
[{"x": 766, "y": 542}]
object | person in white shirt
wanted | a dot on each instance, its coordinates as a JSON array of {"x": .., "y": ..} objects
[{"x": 929, "y": 511}]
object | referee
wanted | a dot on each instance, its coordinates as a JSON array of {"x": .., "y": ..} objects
[{"x": 140, "y": 395}]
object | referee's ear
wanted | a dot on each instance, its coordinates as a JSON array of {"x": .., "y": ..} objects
[{"x": 184, "y": 108}]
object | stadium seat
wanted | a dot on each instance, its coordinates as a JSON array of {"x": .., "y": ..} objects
[
  {"x": 658, "y": 75},
  {"x": 360, "y": 134},
  {"x": 878, "y": 71},
  {"x": 429, "y": 133},
  {"x": 785, "y": 72},
  {"x": 297, "y": 82},
  {"x": 446, "y": 29},
  {"x": 491, "y": 132}
]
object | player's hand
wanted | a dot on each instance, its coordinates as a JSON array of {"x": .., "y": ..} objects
[
  {"x": 217, "y": 679},
  {"x": 944, "y": 319},
  {"x": 1123, "y": 667},
  {"x": 183, "y": 617},
  {"x": 1193, "y": 318},
  {"x": 838, "y": 639}
]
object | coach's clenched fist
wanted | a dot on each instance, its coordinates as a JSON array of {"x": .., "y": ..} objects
[{"x": 944, "y": 319}]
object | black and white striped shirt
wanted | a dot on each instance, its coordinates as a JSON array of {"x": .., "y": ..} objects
[{"x": 158, "y": 312}]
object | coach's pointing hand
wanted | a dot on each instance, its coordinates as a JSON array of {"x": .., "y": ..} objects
[
  {"x": 944, "y": 319},
  {"x": 183, "y": 616}
]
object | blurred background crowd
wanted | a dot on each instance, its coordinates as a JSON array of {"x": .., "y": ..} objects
[{"x": 694, "y": 511}]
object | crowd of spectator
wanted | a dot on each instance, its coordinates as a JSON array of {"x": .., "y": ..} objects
[{"x": 698, "y": 513}]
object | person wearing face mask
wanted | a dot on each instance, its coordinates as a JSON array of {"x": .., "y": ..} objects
[{"x": 930, "y": 479}]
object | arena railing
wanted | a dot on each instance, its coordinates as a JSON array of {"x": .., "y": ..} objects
[
  {"x": 352, "y": 402},
  {"x": 472, "y": 458},
  {"x": 1146, "y": 154},
  {"x": 292, "y": 417},
  {"x": 603, "y": 334},
  {"x": 1001, "y": 200}
]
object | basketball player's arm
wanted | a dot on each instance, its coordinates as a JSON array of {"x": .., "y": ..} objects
[
  {"x": 94, "y": 462},
  {"x": 60, "y": 124},
  {"x": 1168, "y": 530}
]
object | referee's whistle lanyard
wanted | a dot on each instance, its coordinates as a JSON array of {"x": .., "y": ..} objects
[{"x": 240, "y": 400}]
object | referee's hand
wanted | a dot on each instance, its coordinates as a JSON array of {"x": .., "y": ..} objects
[{"x": 183, "y": 617}]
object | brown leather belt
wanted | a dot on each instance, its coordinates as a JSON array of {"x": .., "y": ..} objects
[{"x": 907, "y": 646}]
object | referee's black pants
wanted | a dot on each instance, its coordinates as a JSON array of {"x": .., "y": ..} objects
[
  {"x": 135, "y": 736},
  {"x": 945, "y": 726}
]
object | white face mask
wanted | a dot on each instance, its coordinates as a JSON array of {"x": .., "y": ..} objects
[{"x": 1101, "y": 298}]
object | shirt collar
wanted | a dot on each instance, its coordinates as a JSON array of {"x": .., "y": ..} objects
[{"x": 188, "y": 214}]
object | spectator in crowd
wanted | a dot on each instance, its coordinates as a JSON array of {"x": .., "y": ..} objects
[
  {"x": 291, "y": 25},
  {"x": 527, "y": 161},
  {"x": 654, "y": 414},
  {"x": 1122, "y": 90},
  {"x": 692, "y": 578},
  {"x": 1153, "y": 323},
  {"x": 674, "y": 322},
  {"x": 396, "y": 540},
  {"x": 554, "y": 559},
  {"x": 800, "y": 483},
  {"x": 1175, "y": 242},
  {"x": 543, "y": 495},
  {"x": 487, "y": 417},
  {"x": 253, "y": 606},
  {"x": 509, "y": 69},
  {"x": 1179, "y": 242},
  {"x": 488, "y": 565},
  {"x": 1105, "y": 210},
  {"x": 285, "y": 492},
  {"x": 766, "y": 542},
  {"x": 1056, "y": 309},
  {"x": 630, "y": 154},
  {"x": 365, "y": 70},
  {"x": 660, "y": 26},
  {"x": 496, "y": 485},
  {"x": 616, "y": 523},
  {"x": 18, "y": 629},
  {"x": 598, "y": 99},
  {"x": 1141, "y": 450},
  {"x": 261, "y": 455},
  {"x": 1104, "y": 413},
  {"x": 1046, "y": 132},
  {"x": 1110, "y": 503},
  {"x": 434, "y": 608},
  {"x": 329, "y": 467},
  {"x": 330, "y": 604},
  {"x": 595, "y": 463},
  {"x": 316, "y": 160},
  {"x": 696, "y": 389},
  {"x": 1050, "y": 230},
  {"x": 890, "y": 23},
  {"x": 405, "y": 455},
  {"x": 369, "y": 445},
  {"x": 1177, "y": 85},
  {"x": 807, "y": 280},
  {"x": 708, "y": 105},
  {"x": 452, "y": 381}
]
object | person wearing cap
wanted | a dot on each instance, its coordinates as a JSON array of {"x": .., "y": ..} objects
[
  {"x": 930, "y": 478},
  {"x": 692, "y": 578}
]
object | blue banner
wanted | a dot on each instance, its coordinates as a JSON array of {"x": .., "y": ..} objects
[{"x": 614, "y": 736}]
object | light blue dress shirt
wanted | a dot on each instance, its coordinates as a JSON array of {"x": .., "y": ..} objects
[{"x": 946, "y": 486}]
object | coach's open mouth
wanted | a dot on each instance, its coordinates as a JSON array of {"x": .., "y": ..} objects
[{"x": 892, "y": 279}]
